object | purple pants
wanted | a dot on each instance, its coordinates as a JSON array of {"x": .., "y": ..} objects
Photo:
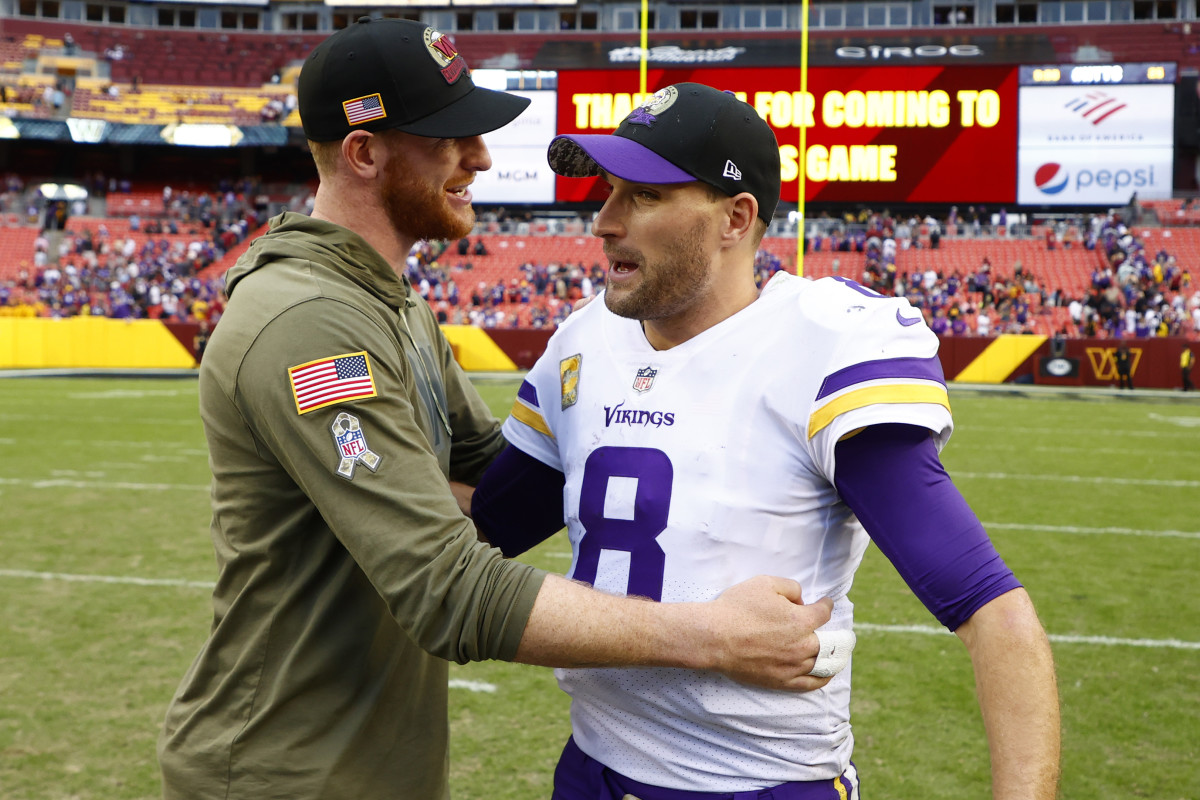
[{"x": 578, "y": 776}]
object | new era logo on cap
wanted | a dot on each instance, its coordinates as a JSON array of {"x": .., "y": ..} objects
[
  {"x": 364, "y": 109},
  {"x": 731, "y": 171}
]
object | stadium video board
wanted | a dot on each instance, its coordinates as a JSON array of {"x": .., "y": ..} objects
[
  {"x": 1095, "y": 144},
  {"x": 519, "y": 172},
  {"x": 874, "y": 134}
]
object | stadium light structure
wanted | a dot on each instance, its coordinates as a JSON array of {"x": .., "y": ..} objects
[{"x": 63, "y": 191}]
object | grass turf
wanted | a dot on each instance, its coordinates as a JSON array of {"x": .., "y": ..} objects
[{"x": 1092, "y": 502}]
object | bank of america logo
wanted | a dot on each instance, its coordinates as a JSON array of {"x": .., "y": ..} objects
[
  {"x": 1095, "y": 106},
  {"x": 364, "y": 109}
]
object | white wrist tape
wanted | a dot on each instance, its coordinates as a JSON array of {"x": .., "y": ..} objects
[{"x": 836, "y": 647}]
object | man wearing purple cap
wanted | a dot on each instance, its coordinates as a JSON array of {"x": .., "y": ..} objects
[
  {"x": 335, "y": 417},
  {"x": 692, "y": 430}
]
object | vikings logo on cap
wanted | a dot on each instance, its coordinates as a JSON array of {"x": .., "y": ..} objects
[
  {"x": 660, "y": 101},
  {"x": 443, "y": 51}
]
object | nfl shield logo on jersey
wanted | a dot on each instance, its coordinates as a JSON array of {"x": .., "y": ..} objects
[{"x": 644, "y": 379}]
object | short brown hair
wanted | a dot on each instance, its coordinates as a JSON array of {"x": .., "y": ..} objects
[
  {"x": 760, "y": 225},
  {"x": 325, "y": 156}
]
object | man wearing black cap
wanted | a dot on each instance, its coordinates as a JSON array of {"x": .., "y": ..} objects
[
  {"x": 335, "y": 417},
  {"x": 694, "y": 430}
]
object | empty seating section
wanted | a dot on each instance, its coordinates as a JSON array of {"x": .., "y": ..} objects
[
  {"x": 16, "y": 251},
  {"x": 141, "y": 200},
  {"x": 166, "y": 104},
  {"x": 1173, "y": 212},
  {"x": 188, "y": 57},
  {"x": 1116, "y": 43},
  {"x": 241, "y": 58}
]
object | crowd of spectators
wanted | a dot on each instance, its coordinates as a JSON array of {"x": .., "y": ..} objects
[
  {"x": 98, "y": 274},
  {"x": 151, "y": 272},
  {"x": 155, "y": 274},
  {"x": 541, "y": 296},
  {"x": 1134, "y": 295}
]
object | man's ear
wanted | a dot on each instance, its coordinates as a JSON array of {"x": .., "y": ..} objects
[
  {"x": 739, "y": 222},
  {"x": 361, "y": 152}
]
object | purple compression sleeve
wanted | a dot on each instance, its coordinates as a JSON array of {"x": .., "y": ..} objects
[
  {"x": 891, "y": 478},
  {"x": 518, "y": 502}
]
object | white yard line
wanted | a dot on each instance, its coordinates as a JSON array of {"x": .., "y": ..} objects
[
  {"x": 64, "y": 483},
  {"x": 120, "y": 579},
  {"x": 473, "y": 686},
  {"x": 1067, "y": 638},
  {"x": 1076, "y": 530},
  {"x": 865, "y": 627},
  {"x": 1079, "y": 433},
  {"x": 1100, "y": 479},
  {"x": 127, "y": 394},
  {"x": 43, "y": 418}
]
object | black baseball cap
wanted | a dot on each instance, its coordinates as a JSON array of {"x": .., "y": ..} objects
[
  {"x": 686, "y": 132},
  {"x": 377, "y": 74}
]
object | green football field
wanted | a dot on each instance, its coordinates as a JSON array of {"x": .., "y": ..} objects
[{"x": 106, "y": 568}]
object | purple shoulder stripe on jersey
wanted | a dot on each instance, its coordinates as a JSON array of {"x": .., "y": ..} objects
[
  {"x": 528, "y": 394},
  {"x": 929, "y": 369},
  {"x": 890, "y": 477}
]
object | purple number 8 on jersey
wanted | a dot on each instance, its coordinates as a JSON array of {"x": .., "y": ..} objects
[{"x": 653, "y": 474}]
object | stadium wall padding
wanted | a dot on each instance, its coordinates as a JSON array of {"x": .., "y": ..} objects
[
  {"x": 85, "y": 342},
  {"x": 95, "y": 342}
]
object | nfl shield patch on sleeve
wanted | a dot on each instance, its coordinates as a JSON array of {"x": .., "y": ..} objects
[
  {"x": 331, "y": 380},
  {"x": 352, "y": 446}
]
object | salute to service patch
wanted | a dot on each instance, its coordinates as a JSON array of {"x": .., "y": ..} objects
[
  {"x": 331, "y": 380},
  {"x": 352, "y": 446}
]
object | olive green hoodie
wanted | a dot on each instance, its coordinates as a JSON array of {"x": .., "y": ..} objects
[{"x": 341, "y": 594}]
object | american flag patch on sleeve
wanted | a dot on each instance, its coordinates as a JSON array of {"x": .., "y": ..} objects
[
  {"x": 331, "y": 380},
  {"x": 364, "y": 109}
]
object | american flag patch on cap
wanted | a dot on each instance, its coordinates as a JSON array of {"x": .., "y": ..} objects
[
  {"x": 364, "y": 109},
  {"x": 331, "y": 380}
]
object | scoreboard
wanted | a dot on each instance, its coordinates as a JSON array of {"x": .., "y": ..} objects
[
  {"x": 1037, "y": 135},
  {"x": 873, "y": 134},
  {"x": 1095, "y": 134},
  {"x": 1095, "y": 74}
]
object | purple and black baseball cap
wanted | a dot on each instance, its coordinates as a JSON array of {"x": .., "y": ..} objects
[
  {"x": 377, "y": 74},
  {"x": 683, "y": 133}
]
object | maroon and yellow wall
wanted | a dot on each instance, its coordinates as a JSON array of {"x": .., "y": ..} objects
[{"x": 99, "y": 343}]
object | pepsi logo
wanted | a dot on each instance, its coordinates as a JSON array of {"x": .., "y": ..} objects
[{"x": 1051, "y": 178}]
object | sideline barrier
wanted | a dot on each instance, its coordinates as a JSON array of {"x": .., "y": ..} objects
[{"x": 90, "y": 342}]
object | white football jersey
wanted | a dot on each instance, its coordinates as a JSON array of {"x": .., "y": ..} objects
[{"x": 692, "y": 469}]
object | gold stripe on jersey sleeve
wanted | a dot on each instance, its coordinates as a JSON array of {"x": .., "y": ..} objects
[
  {"x": 523, "y": 413},
  {"x": 870, "y": 395}
]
